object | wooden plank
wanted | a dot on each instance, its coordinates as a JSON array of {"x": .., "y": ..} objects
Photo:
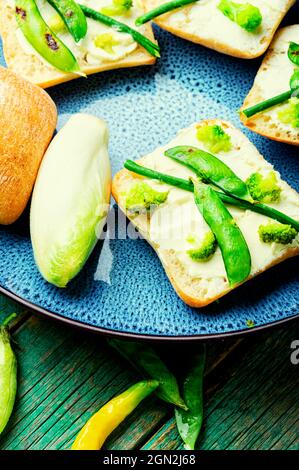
[
  {"x": 64, "y": 376},
  {"x": 250, "y": 401}
]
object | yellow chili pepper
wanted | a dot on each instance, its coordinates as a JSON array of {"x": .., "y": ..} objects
[{"x": 93, "y": 435}]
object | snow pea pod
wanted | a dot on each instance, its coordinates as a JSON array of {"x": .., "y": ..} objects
[
  {"x": 8, "y": 375},
  {"x": 146, "y": 360},
  {"x": 293, "y": 53},
  {"x": 72, "y": 16},
  {"x": 189, "y": 422},
  {"x": 210, "y": 169},
  {"x": 42, "y": 39},
  {"x": 233, "y": 246}
]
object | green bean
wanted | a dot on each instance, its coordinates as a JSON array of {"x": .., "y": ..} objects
[
  {"x": 233, "y": 246},
  {"x": 293, "y": 53},
  {"x": 186, "y": 185},
  {"x": 189, "y": 422},
  {"x": 161, "y": 9},
  {"x": 145, "y": 359},
  {"x": 263, "y": 105},
  {"x": 42, "y": 39},
  {"x": 150, "y": 46},
  {"x": 210, "y": 169},
  {"x": 8, "y": 374},
  {"x": 72, "y": 16}
]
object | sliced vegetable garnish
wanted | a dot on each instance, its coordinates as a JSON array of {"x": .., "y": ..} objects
[
  {"x": 263, "y": 105},
  {"x": 189, "y": 422},
  {"x": 93, "y": 435},
  {"x": 72, "y": 16},
  {"x": 209, "y": 168},
  {"x": 145, "y": 359},
  {"x": 246, "y": 15},
  {"x": 161, "y": 9},
  {"x": 277, "y": 233},
  {"x": 293, "y": 53},
  {"x": 150, "y": 46},
  {"x": 42, "y": 38},
  {"x": 233, "y": 246},
  {"x": 227, "y": 199}
]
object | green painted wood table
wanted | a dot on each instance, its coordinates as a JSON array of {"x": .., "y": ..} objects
[{"x": 65, "y": 375}]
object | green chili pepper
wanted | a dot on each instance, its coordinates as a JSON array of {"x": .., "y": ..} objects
[
  {"x": 189, "y": 422},
  {"x": 209, "y": 168},
  {"x": 8, "y": 374},
  {"x": 233, "y": 246},
  {"x": 150, "y": 46},
  {"x": 186, "y": 185},
  {"x": 146, "y": 360},
  {"x": 293, "y": 53},
  {"x": 42, "y": 39},
  {"x": 161, "y": 9},
  {"x": 72, "y": 16}
]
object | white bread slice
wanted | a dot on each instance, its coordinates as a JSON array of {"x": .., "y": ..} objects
[
  {"x": 29, "y": 65},
  {"x": 166, "y": 228},
  {"x": 272, "y": 79},
  {"x": 204, "y": 24}
]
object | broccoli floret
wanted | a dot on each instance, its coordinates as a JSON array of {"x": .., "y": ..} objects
[
  {"x": 214, "y": 138},
  {"x": 276, "y": 232},
  {"x": 106, "y": 41},
  {"x": 118, "y": 7},
  {"x": 264, "y": 188},
  {"x": 244, "y": 14},
  {"x": 141, "y": 196},
  {"x": 205, "y": 250},
  {"x": 290, "y": 113}
]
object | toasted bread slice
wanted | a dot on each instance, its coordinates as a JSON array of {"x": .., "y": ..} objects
[
  {"x": 203, "y": 23},
  {"x": 168, "y": 226},
  {"x": 272, "y": 79},
  {"x": 22, "y": 59}
]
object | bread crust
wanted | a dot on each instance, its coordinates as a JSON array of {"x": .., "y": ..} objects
[
  {"x": 124, "y": 176},
  {"x": 28, "y": 118},
  {"x": 258, "y": 122},
  {"x": 213, "y": 44},
  {"x": 33, "y": 69}
]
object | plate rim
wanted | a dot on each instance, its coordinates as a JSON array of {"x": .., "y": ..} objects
[{"x": 138, "y": 336}]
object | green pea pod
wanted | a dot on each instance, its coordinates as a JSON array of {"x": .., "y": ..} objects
[
  {"x": 294, "y": 81},
  {"x": 42, "y": 39},
  {"x": 72, "y": 16},
  {"x": 8, "y": 375},
  {"x": 233, "y": 246},
  {"x": 189, "y": 422},
  {"x": 145, "y": 360},
  {"x": 293, "y": 53},
  {"x": 210, "y": 168}
]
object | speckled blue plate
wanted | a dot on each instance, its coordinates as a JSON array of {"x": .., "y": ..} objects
[{"x": 123, "y": 288}]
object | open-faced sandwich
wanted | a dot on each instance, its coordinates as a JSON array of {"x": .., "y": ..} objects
[
  {"x": 212, "y": 207},
  {"x": 272, "y": 105},
  {"x": 53, "y": 41},
  {"x": 242, "y": 28}
]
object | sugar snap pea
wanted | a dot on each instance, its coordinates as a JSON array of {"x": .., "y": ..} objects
[
  {"x": 293, "y": 53},
  {"x": 8, "y": 374},
  {"x": 145, "y": 359},
  {"x": 186, "y": 185},
  {"x": 210, "y": 169},
  {"x": 72, "y": 16},
  {"x": 233, "y": 246},
  {"x": 189, "y": 422},
  {"x": 42, "y": 39}
]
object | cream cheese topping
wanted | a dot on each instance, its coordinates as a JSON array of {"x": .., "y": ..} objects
[
  {"x": 86, "y": 51},
  {"x": 172, "y": 222}
]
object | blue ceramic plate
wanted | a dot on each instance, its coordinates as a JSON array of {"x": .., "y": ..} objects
[{"x": 123, "y": 287}]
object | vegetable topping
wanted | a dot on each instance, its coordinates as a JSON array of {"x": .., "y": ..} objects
[
  {"x": 276, "y": 232},
  {"x": 264, "y": 188},
  {"x": 214, "y": 138}
]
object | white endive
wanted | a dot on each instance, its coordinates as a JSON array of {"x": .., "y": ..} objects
[{"x": 71, "y": 198}]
